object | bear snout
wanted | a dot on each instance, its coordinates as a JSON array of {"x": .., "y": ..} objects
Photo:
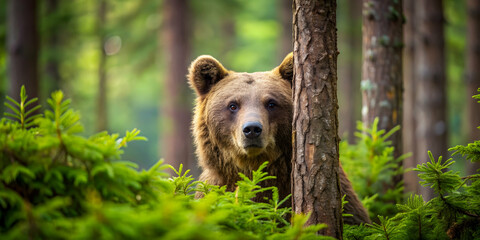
[
  {"x": 252, "y": 140},
  {"x": 252, "y": 130}
]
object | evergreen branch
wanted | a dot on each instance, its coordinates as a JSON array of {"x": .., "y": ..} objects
[
  {"x": 477, "y": 96},
  {"x": 19, "y": 109},
  {"x": 12, "y": 108},
  {"x": 446, "y": 202},
  {"x": 7, "y": 114},
  {"x": 130, "y": 136},
  {"x": 13, "y": 101}
]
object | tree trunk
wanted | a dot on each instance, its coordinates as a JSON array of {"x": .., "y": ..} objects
[
  {"x": 408, "y": 129},
  {"x": 286, "y": 44},
  {"x": 382, "y": 84},
  {"x": 177, "y": 147},
  {"x": 102, "y": 111},
  {"x": 53, "y": 41},
  {"x": 473, "y": 74},
  {"x": 349, "y": 81},
  {"x": 22, "y": 47},
  {"x": 316, "y": 186},
  {"x": 430, "y": 96}
]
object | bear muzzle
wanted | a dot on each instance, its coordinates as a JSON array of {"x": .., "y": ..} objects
[
  {"x": 252, "y": 130},
  {"x": 251, "y": 138}
]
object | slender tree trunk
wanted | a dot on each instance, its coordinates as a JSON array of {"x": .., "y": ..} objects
[
  {"x": 473, "y": 75},
  {"x": 316, "y": 186},
  {"x": 382, "y": 68},
  {"x": 228, "y": 32},
  {"x": 408, "y": 129},
  {"x": 349, "y": 82},
  {"x": 286, "y": 44},
  {"x": 102, "y": 111},
  {"x": 22, "y": 47},
  {"x": 53, "y": 41},
  {"x": 177, "y": 102},
  {"x": 430, "y": 96}
]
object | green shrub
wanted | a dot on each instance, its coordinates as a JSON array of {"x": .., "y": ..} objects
[
  {"x": 370, "y": 165},
  {"x": 453, "y": 214},
  {"x": 56, "y": 184}
]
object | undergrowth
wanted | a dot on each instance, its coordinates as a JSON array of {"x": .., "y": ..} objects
[
  {"x": 453, "y": 214},
  {"x": 56, "y": 184},
  {"x": 370, "y": 165}
]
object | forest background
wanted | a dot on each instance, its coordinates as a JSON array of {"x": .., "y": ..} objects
[{"x": 114, "y": 60}]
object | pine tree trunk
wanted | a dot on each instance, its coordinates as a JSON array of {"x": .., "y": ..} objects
[
  {"x": 22, "y": 47},
  {"x": 286, "y": 44},
  {"x": 177, "y": 103},
  {"x": 316, "y": 186},
  {"x": 349, "y": 81},
  {"x": 408, "y": 129},
  {"x": 102, "y": 111},
  {"x": 382, "y": 84},
  {"x": 53, "y": 41},
  {"x": 473, "y": 74},
  {"x": 430, "y": 96}
]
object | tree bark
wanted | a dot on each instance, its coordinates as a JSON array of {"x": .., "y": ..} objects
[
  {"x": 177, "y": 147},
  {"x": 408, "y": 129},
  {"x": 382, "y": 84},
  {"x": 473, "y": 75},
  {"x": 102, "y": 111},
  {"x": 430, "y": 96},
  {"x": 316, "y": 186},
  {"x": 22, "y": 47}
]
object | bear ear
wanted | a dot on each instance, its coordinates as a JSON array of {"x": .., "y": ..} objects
[
  {"x": 285, "y": 70},
  {"x": 204, "y": 72}
]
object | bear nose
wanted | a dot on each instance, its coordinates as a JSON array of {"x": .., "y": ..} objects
[{"x": 252, "y": 129}]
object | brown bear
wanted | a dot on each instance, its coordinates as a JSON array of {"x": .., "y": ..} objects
[{"x": 244, "y": 119}]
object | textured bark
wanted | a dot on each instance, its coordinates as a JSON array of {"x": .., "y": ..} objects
[
  {"x": 177, "y": 103},
  {"x": 102, "y": 111},
  {"x": 382, "y": 84},
  {"x": 22, "y": 47},
  {"x": 473, "y": 74},
  {"x": 316, "y": 186},
  {"x": 349, "y": 80},
  {"x": 408, "y": 128},
  {"x": 430, "y": 96}
]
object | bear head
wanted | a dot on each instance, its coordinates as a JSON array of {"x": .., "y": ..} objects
[{"x": 244, "y": 117}]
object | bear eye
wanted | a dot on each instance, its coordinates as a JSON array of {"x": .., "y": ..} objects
[
  {"x": 233, "y": 107},
  {"x": 271, "y": 105}
]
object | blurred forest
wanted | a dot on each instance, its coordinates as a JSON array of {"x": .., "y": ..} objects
[{"x": 123, "y": 63}]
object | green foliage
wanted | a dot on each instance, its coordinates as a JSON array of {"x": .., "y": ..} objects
[
  {"x": 453, "y": 214},
  {"x": 21, "y": 112},
  {"x": 436, "y": 176},
  {"x": 472, "y": 150},
  {"x": 370, "y": 165},
  {"x": 477, "y": 96},
  {"x": 56, "y": 184}
]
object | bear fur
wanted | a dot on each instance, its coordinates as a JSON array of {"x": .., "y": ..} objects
[{"x": 244, "y": 119}]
